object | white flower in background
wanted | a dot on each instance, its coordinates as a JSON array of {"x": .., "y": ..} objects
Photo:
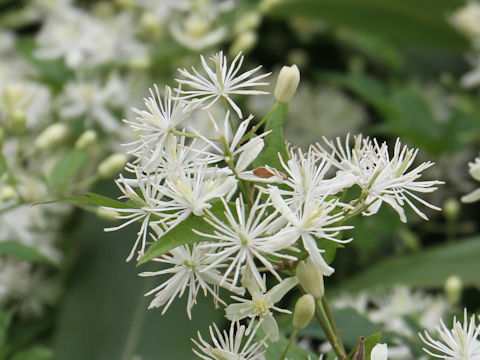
[
  {"x": 392, "y": 308},
  {"x": 467, "y": 20},
  {"x": 94, "y": 101},
  {"x": 220, "y": 82},
  {"x": 28, "y": 100},
  {"x": 261, "y": 305},
  {"x": 313, "y": 218},
  {"x": 459, "y": 343},
  {"x": 359, "y": 302},
  {"x": 474, "y": 170},
  {"x": 85, "y": 41},
  {"x": 14, "y": 278},
  {"x": 165, "y": 9},
  {"x": 231, "y": 345},
  {"x": 190, "y": 268},
  {"x": 246, "y": 236},
  {"x": 153, "y": 126},
  {"x": 381, "y": 177}
]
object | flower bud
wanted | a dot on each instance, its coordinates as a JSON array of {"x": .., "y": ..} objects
[
  {"x": 112, "y": 165},
  {"x": 19, "y": 121},
  {"x": 85, "y": 140},
  {"x": 304, "y": 310},
  {"x": 106, "y": 214},
  {"x": 451, "y": 208},
  {"x": 244, "y": 42},
  {"x": 52, "y": 136},
  {"x": 379, "y": 352},
  {"x": 310, "y": 278},
  {"x": 267, "y": 5},
  {"x": 453, "y": 289},
  {"x": 7, "y": 193},
  {"x": 287, "y": 83},
  {"x": 247, "y": 22}
]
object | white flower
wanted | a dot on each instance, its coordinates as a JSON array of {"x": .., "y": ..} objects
[
  {"x": 312, "y": 218},
  {"x": 153, "y": 126},
  {"x": 94, "y": 101},
  {"x": 459, "y": 343},
  {"x": 379, "y": 352},
  {"x": 190, "y": 268},
  {"x": 246, "y": 236},
  {"x": 221, "y": 82},
  {"x": 381, "y": 177},
  {"x": 306, "y": 176},
  {"x": 231, "y": 345},
  {"x": 474, "y": 170},
  {"x": 230, "y": 150},
  {"x": 261, "y": 305},
  {"x": 148, "y": 208}
]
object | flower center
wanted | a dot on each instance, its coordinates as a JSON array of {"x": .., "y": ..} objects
[{"x": 261, "y": 306}]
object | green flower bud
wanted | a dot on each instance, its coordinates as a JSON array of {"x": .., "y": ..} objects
[
  {"x": 19, "y": 121},
  {"x": 106, "y": 214},
  {"x": 287, "y": 83},
  {"x": 85, "y": 140},
  {"x": 244, "y": 42},
  {"x": 451, "y": 208},
  {"x": 247, "y": 22},
  {"x": 453, "y": 289},
  {"x": 304, "y": 310},
  {"x": 52, "y": 136},
  {"x": 310, "y": 278},
  {"x": 112, "y": 165},
  {"x": 7, "y": 192}
]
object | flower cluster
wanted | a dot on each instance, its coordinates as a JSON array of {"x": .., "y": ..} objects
[{"x": 219, "y": 208}]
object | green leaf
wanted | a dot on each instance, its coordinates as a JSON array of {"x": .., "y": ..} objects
[
  {"x": 370, "y": 342},
  {"x": 274, "y": 142},
  {"x": 93, "y": 199},
  {"x": 35, "y": 353},
  {"x": 22, "y": 252},
  {"x": 408, "y": 22},
  {"x": 276, "y": 349},
  {"x": 429, "y": 268},
  {"x": 182, "y": 234},
  {"x": 67, "y": 166},
  {"x": 5, "y": 318},
  {"x": 3, "y": 165}
]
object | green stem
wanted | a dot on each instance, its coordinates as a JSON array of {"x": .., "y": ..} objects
[
  {"x": 332, "y": 321},
  {"x": 329, "y": 332},
  {"x": 254, "y": 129},
  {"x": 181, "y": 133},
  {"x": 290, "y": 342}
]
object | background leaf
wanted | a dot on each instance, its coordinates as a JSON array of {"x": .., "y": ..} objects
[
  {"x": 23, "y": 252},
  {"x": 68, "y": 165},
  {"x": 429, "y": 268}
]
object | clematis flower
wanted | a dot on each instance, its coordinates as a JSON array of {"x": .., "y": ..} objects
[{"x": 220, "y": 82}]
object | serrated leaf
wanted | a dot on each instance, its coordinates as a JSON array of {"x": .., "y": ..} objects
[
  {"x": 67, "y": 166},
  {"x": 429, "y": 268},
  {"x": 93, "y": 199},
  {"x": 182, "y": 234},
  {"x": 22, "y": 252},
  {"x": 370, "y": 343},
  {"x": 274, "y": 142},
  {"x": 407, "y": 22}
]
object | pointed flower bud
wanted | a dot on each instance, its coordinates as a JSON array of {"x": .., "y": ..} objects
[
  {"x": 85, "y": 140},
  {"x": 52, "y": 136},
  {"x": 311, "y": 278},
  {"x": 379, "y": 352},
  {"x": 287, "y": 83},
  {"x": 453, "y": 289},
  {"x": 19, "y": 121},
  {"x": 304, "y": 310},
  {"x": 112, "y": 165}
]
